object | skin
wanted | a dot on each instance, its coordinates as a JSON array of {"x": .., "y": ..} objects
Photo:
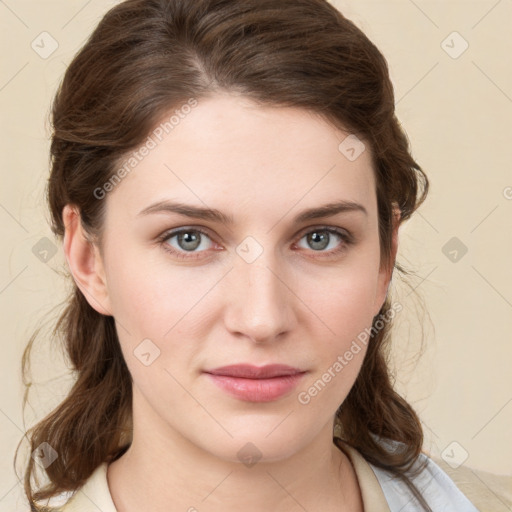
[{"x": 295, "y": 304}]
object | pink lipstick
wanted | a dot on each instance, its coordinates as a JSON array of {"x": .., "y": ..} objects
[{"x": 256, "y": 384}]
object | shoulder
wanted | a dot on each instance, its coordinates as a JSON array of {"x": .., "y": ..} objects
[{"x": 439, "y": 491}]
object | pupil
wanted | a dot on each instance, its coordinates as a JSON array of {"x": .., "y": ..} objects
[
  {"x": 189, "y": 238},
  {"x": 316, "y": 238}
]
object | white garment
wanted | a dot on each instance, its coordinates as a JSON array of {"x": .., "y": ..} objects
[{"x": 434, "y": 485}]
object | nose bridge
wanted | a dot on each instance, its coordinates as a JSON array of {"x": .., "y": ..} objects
[{"x": 260, "y": 305}]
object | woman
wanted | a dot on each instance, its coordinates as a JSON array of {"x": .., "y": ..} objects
[{"x": 228, "y": 179}]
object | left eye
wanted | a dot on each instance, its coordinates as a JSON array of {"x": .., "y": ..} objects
[
  {"x": 190, "y": 241},
  {"x": 319, "y": 239}
]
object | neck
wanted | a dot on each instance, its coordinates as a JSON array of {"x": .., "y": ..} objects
[{"x": 164, "y": 471}]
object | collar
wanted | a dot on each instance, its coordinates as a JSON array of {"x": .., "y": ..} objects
[{"x": 95, "y": 492}]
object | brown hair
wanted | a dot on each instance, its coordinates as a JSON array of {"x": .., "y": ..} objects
[{"x": 147, "y": 57}]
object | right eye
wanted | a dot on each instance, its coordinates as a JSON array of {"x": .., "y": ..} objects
[{"x": 187, "y": 241}]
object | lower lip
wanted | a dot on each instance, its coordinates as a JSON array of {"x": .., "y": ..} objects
[{"x": 257, "y": 390}]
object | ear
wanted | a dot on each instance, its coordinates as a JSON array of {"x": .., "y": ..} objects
[
  {"x": 386, "y": 271},
  {"x": 84, "y": 261}
]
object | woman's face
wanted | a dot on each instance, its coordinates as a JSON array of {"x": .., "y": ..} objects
[{"x": 266, "y": 288}]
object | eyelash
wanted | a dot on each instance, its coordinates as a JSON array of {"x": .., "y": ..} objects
[{"x": 346, "y": 241}]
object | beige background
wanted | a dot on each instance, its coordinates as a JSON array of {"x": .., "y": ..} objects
[{"x": 458, "y": 115}]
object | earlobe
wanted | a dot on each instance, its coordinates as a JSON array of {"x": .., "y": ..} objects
[{"x": 85, "y": 262}]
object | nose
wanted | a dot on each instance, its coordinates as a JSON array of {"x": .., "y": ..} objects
[{"x": 258, "y": 299}]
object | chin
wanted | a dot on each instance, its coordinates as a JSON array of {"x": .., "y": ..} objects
[{"x": 251, "y": 444}]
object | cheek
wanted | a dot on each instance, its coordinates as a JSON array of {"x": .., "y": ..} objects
[
  {"x": 343, "y": 299},
  {"x": 166, "y": 306},
  {"x": 341, "y": 339},
  {"x": 149, "y": 297}
]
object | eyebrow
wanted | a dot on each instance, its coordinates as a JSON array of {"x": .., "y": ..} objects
[{"x": 211, "y": 214}]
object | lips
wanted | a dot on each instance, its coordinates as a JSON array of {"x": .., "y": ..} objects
[
  {"x": 247, "y": 371},
  {"x": 256, "y": 384}
]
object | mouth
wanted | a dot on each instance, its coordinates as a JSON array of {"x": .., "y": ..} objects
[{"x": 256, "y": 384}]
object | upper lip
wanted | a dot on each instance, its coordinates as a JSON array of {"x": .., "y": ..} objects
[{"x": 249, "y": 371}]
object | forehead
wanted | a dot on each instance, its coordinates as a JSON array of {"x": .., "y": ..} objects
[{"x": 227, "y": 151}]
